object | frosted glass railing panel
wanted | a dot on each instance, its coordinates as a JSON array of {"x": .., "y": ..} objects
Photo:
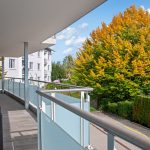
[
  {"x": 10, "y": 86},
  {"x": 55, "y": 138},
  {"x": 32, "y": 96},
  {"x": 16, "y": 88},
  {"x": 6, "y": 84},
  {"x": 67, "y": 120},
  {"x": 22, "y": 90},
  {"x": 46, "y": 105}
]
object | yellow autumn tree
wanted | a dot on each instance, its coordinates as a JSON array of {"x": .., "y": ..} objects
[{"x": 115, "y": 59}]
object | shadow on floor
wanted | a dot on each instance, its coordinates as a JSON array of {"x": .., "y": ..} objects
[{"x": 19, "y": 125}]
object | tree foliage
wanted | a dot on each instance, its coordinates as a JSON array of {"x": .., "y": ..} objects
[
  {"x": 58, "y": 71},
  {"x": 68, "y": 64},
  {"x": 115, "y": 59}
]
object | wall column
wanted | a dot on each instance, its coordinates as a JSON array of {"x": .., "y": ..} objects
[{"x": 26, "y": 75}]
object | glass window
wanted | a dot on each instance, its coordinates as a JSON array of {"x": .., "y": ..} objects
[
  {"x": 31, "y": 65},
  {"x": 11, "y": 63},
  {"x": 22, "y": 61},
  {"x": 39, "y": 78},
  {"x": 38, "y": 66},
  {"x": 48, "y": 55},
  {"x": 48, "y": 67}
]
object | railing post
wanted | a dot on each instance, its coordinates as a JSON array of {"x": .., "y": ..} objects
[
  {"x": 39, "y": 109},
  {"x": 53, "y": 107},
  {"x": 8, "y": 85},
  {"x": 82, "y": 120},
  {"x": 26, "y": 75},
  {"x": 110, "y": 141},
  {"x": 88, "y": 100}
]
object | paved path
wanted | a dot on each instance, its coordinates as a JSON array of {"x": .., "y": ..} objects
[
  {"x": 99, "y": 136},
  {"x": 19, "y": 125}
]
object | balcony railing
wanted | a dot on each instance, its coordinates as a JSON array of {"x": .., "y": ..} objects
[{"x": 64, "y": 119}]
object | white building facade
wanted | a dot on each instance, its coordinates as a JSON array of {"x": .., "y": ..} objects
[{"x": 39, "y": 65}]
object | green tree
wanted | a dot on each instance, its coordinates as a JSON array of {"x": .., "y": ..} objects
[
  {"x": 68, "y": 64},
  {"x": 115, "y": 60},
  {"x": 58, "y": 71}
]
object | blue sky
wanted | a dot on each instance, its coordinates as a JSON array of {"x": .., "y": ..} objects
[{"x": 71, "y": 39}]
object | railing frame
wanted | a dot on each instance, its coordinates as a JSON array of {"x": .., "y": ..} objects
[{"x": 112, "y": 129}]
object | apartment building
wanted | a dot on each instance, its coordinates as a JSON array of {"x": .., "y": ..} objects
[{"x": 39, "y": 65}]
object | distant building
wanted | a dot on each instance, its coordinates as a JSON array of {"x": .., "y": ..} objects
[{"x": 39, "y": 64}]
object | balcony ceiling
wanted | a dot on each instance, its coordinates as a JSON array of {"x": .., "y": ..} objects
[{"x": 34, "y": 21}]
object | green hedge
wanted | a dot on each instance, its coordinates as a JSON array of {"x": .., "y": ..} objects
[
  {"x": 137, "y": 110},
  {"x": 141, "y": 110},
  {"x": 123, "y": 109}
]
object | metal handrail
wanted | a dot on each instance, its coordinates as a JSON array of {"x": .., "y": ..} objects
[
  {"x": 14, "y": 78},
  {"x": 40, "y": 81},
  {"x": 68, "y": 90},
  {"x": 114, "y": 129},
  {"x": 67, "y": 85}
]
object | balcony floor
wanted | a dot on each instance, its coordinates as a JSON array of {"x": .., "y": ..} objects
[{"x": 19, "y": 125}]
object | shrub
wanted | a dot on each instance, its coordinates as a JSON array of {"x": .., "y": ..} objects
[
  {"x": 141, "y": 110},
  {"x": 125, "y": 109},
  {"x": 113, "y": 108}
]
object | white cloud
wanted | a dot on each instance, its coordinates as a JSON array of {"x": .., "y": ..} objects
[
  {"x": 83, "y": 25},
  {"x": 70, "y": 41},
  {"x": 79, "y": 40},
  {"x": 75, "y": 41},
  {"x": 142, "y": 7},
  {"x": 66, "y": 34},
  {"x": 148, "y": 10},
  {"x": 67, "y": 51}
]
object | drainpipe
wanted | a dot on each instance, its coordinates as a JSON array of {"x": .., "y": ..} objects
[
  {"x": 26, "y": 75},
  {"x": 2, "y": 74}
]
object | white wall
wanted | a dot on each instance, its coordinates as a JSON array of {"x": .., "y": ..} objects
[{"x": 15, "y": 72}]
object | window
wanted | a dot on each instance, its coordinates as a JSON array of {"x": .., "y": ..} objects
[
  {"x": 38, "y": 78},
  {"x": 39, "y": 54},
  {"x": 31, "y": 65},
  {"x": 11, "y": 63},
  {"x": 23, "y": 70},
  {"x": 38, "y": 66},
  {"x": 48, "y": 55},
  {"x": 48, "y": 67},
  {"x": 22, "y": 61}
]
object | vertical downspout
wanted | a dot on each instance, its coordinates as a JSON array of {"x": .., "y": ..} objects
[{"x": 26, "y": 75}]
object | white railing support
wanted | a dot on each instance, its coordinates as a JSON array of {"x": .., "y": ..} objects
[
  {"x": 81, "y": 119},
  {"x": 39, "y": 108},
  {"x": 53, "y": 108}
]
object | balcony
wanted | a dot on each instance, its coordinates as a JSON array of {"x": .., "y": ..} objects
[
  {"x": 59, "y": 117},
  {"x": 33, "y": 117}
]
